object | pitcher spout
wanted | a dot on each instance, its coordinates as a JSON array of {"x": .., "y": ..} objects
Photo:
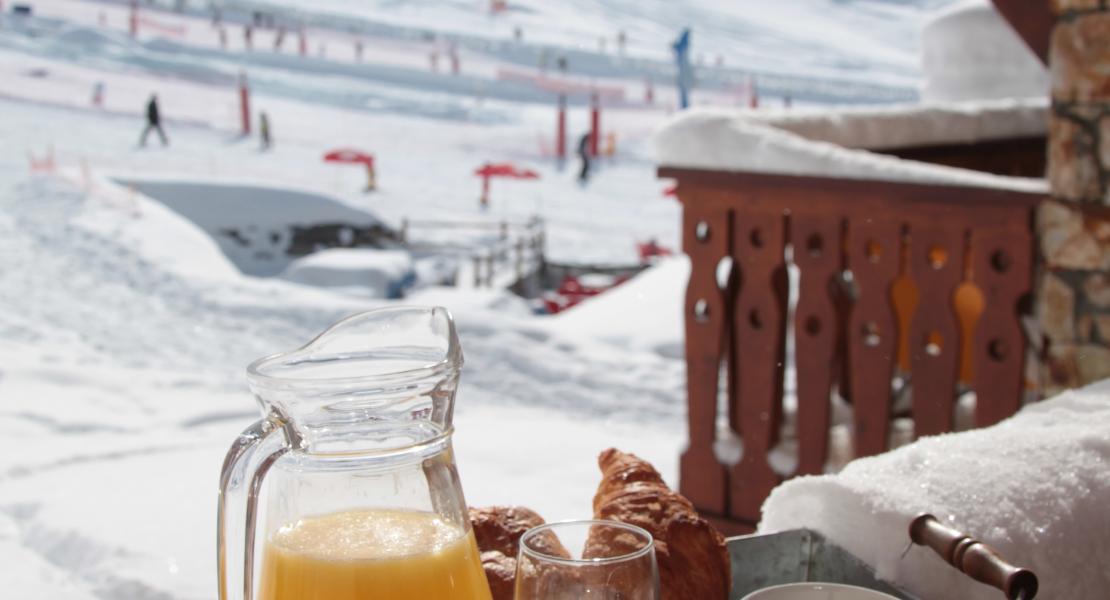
[{"x": 386, "y": 376}]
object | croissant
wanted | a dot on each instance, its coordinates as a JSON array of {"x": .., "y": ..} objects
[
  {"x": 497, "y": 530},
  {"x": 691, "y": 554},
  {"x": 500, "y": 573}
]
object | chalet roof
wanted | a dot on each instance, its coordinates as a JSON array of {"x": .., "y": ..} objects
[
  {"x": 911, "y": 125},
  {"x": 832, "y": 144}
]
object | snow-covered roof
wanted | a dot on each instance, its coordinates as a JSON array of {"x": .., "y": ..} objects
[
  {"x": 907, "y": 125},
  {"x": 969, "y": 51},
  {"x": 728, "y": 140}
]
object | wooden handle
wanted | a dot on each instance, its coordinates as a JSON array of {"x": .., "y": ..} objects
[{"x": 978, "y": 560}]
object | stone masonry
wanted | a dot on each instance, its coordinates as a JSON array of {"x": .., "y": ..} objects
[{"x": 1073, "y": 295}]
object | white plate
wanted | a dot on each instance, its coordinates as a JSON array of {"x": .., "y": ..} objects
[{"x": 817, "y": 591}]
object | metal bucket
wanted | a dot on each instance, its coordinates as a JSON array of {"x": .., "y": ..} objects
[
  {"x": 799, "y": 555},
  {"x": 802, "y": 555}
]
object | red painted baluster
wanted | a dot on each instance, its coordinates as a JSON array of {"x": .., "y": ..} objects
[
  {"x": 936, "y": 264},
  {"x": 705, "y": 238},
  {"x": 873, "y": 257},
  {"x": 816, "y": 241},
  {"x": 1003, "y": 272},
  {"x": 758, "y": 246}
]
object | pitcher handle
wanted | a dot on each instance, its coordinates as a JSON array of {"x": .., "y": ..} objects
[{"x": 247, "y": 461}]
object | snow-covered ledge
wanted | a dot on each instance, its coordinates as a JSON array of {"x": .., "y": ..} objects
[
  {"x": 905, "y": 125},
  {"x": 730, "y": 140}
]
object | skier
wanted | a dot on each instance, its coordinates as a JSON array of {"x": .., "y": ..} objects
[
  {"x": 153, "y": 121},
  {"x": 98, "y": 94},
  {"x": 584, "y": 156},
  {"x": 264, "y": 130}
]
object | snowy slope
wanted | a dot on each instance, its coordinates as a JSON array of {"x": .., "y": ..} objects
[
  {"x": 139, "y": 384},
  {"x": 125, "y": 332},
  {"x": 124, "y": 328},
  {"x": 812, "y": 37}
]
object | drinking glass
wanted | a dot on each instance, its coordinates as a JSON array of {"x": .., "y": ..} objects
[{"x": 616, "y": 561}]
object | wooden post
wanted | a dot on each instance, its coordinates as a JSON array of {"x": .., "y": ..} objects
[
  {"x": 758, "y": 243},
  {"x": 1003, "y": 271},
  {"x": 817, "y": 254},
  {"x": 936, "y": 265},
  {"x": 874, "y": 254},
  {"x": 705, "y": 239}
]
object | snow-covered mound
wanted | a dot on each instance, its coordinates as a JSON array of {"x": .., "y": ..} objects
[
  {"x": 375, "y": 273},
  {"x": 727, "y": 141},
  {"x": 1034, "y": 486},
  {"x": 263, "y": 228},
  {"x": 970, "y": 52},
  {"x": 659, "y": 291}
]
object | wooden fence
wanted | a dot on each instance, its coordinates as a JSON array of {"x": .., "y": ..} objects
[{"x": 926, "y": 280}]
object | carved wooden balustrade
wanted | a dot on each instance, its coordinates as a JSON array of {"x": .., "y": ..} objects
[{"x": 892, "y": 279}]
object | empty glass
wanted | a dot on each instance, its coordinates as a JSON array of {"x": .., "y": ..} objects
[{"x": 616, "y": 562}]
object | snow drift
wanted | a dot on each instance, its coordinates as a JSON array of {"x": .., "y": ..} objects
[{"x": 1034, "y": 487}]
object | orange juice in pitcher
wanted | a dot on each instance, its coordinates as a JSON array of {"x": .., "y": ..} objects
[
  {"x": 348, "y": 481},
  {"x": 379, "y": 554}
]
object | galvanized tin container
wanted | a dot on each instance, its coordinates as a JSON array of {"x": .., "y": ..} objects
[{"x": 799, "y": 555}]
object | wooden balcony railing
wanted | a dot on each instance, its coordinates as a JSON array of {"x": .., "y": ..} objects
[{"x": 928, "y": 281}]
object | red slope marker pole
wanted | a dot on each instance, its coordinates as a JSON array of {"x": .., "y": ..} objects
[
  {"x": 595, "y": 122},
  {"x": 561, "y": 129},
  {"x": 245, "y": 103}
]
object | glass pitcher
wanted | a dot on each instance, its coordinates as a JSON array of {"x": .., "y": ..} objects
[{"x": 352, "y": 470}]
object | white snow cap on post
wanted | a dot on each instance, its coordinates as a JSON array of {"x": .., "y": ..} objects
[
  {"x": 1036, "y": 487},
  {"x": 970, "y": 52}
]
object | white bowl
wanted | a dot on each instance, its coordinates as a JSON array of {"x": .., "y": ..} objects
[{"x": 817, "y": 591}]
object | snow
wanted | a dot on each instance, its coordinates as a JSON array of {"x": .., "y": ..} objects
[
  {"x": 982, "y": 84},
  {"x": 660, "y": 291},
  {"x": 1034, "y": 487},
  {"x": 907, "y": 125},
  {"x": 724, "y": 140},
  {"x": 970, "y": 52},
  {"x": 808, "y": 37},
  {"x": 252, "y": 223},
  {"x": 377, "y": 273},
  {"x": 139, "y": 384},
  {"x": 126, "y": 319}
]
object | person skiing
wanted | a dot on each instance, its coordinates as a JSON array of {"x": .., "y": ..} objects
[
  {"x": 264, "y": 130},
  {"x": 584, "y": 156},
  {"x": 153, "y": 121}
]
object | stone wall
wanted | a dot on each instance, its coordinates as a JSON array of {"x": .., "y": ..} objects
[{"x": 1074, "y": 229}]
